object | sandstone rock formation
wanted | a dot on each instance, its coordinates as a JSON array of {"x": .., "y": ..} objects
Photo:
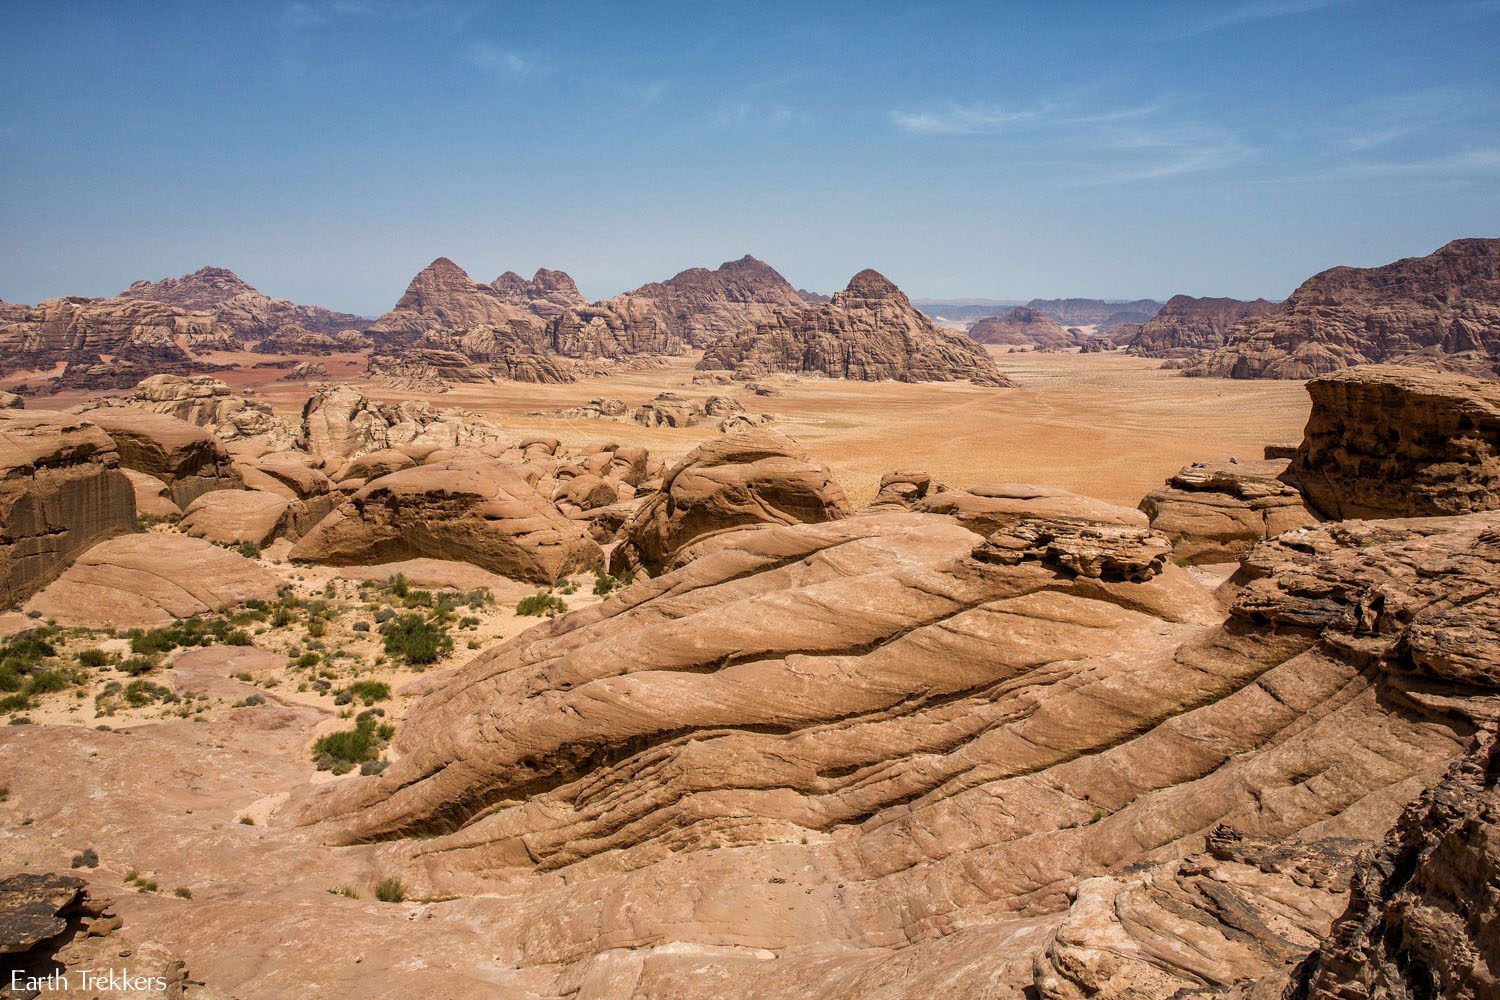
[
  {"x": 1421, "y": 918},
  {"x": 990, "y": 507},
  {"x": 151, "y": 580},
  {"x": 937, "y": 752},
  {"x": 700, "y": 305},
  {"x": 305, "y": 371},
  {"x": 548, "y": 294},
  {"x": 236, "y": 305},
  {"x": 869, "y": 331},
  {"x": 61, "y": 491},
  {"x": 153, "y": 498},
  {"x": 184, "y": 456},
  {"x": 133, "y": 334},
  {"x": 294, "y": 338},
  {"x": 443, "y": 297},
  {"x": 1186, "y": 325},
  {"x": 481, "y": 512},
  {"x": 1385, "y": 441},
  {"x": 726, "y": 485},
  {"x": 38, "y": 908},
  {"x": 1024, "y": 326},
  {"x": 1217, "y": 511},
  {"x": 1103, "y": 314},
  {"x": 1447, "y": 302},
  {"x": 234, "y": 516},
  {"x": 338, "y": 421}
]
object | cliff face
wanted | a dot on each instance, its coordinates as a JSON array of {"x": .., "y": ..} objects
[
  {"x": 1447, "y": 303},
  {"x": 77, "y": 329},
  {"x": 869, "y": 331},
  {"x": 700, "y": 305},
  {"x": 1186, "y": 325}
]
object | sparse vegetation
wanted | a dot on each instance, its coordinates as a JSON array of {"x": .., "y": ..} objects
[
  {"x": 416, "y": 640},
  {"x": 93, "y": 657},
  {"x": 87, "y": 858},
  {"x": 182, "y": 892},
  {"x": 604, "y": 584},
  {"x": 342, "y": 751},
  {"x": 390, "y": 890},
  {"x": 369, "y": 692},
  {"x": 541, "y": 603}
]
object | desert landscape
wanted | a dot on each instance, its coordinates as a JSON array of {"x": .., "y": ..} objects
[{"x": 729, "y": 635}]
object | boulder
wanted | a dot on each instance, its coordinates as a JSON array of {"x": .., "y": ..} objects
[
  {"x": 484, "y": 513},
  {"x": 1217, "y": 511},
  {"x": 185, "y": 457},
  {"x": 151, "y": 580},
  {"x": 1386, "y": 441},
  {"x": 235, "y": 516},
  {"x": 727, "y": 484},
  {"x": 61, "y": 491}
]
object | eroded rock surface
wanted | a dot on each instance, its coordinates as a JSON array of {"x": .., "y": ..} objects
[
  {"x": 739, "y": 481},
  {"x": 1187, "y": 325},
  {"x": 700, "y": 305},
  {"x": 1217, "y": 511},
  {"x": 1385, "y": 441},
  {"x": 184, "y": 456}
]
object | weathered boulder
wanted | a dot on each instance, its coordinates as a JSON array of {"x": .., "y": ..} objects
[
  {"x": 38, "y": 908},
  {"x": 727, "y": 484},
  {"x": 481, "y": 512},
  {"x": 1386, "y": 441},
  {"x": 340, "y": 422},
  {"x": 61, "y": 490},
  {"x": 1217, "y": 511},
  {"x": 670, "y": 409},
  {"x": 237, "y": 516},
  {"x": 185, "y": 457},
  {"x": 150, "y": 580}
]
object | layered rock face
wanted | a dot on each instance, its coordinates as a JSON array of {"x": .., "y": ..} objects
[
  {"x": 239, "y": 307},
  {"x": 1444, "y": 303},
  {"x": 1218, "y": 511},
  {"x": 61, "y": 490},
  {"x": 1422, "y": 918},
  {"x": 443, "y": 297},
  {"x": 78, "y": 330},
  {"x": 700, "y": 305},
  {"x": 869, "y": 331},
  {"x": 484, "y": 513},
  {"x": 548, "y": 294},
  {"x": 184, "y": 456},
  {"x": 726, "y": 485},
  {"x": 294, "y": 338},
  {"x": 1024, "y": 326},
  {"x": 915, "y": 748},
  {"x": 1186, "y": 325},
  {"x": 1386, "y": 441}
]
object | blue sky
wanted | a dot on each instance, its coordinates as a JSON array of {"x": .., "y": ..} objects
[{"x": 328, "y": 149}]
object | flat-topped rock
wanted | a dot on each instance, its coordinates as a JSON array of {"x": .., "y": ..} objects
[
  {"x": 184, "y": 456},
  {"x": 1217, "y": 511}
]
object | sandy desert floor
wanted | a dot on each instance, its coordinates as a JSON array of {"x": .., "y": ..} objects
[{"x": 1105, "y": 425}]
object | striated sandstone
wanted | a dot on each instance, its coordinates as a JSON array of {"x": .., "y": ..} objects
[
  {"x": 184, "y": 456},
  {"x": 1217, "y": 511}
]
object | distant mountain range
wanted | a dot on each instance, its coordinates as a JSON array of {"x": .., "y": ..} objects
[{"x": 1102, "y": 313}]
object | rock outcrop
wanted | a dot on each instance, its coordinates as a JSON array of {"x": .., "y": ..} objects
[
  {"x": 151, "y": 580},
  {"x": 1025, "y": 326},
  {"x": 726, "y": 485},
  {"x": 136, "y": 335},
  {"x": 1217, "y": 511},
  {"x": 1421, "y": 920},
  {"x": 1187, "y": 325},
  {"x": 885, "y": 749},
  {"x": 184, "y": 456},
  {"x": 1385, "y": 441},
  {"x": 481, "y": 512},
  {"x": 1447, "y": 302},
  {"x": 700, "y": 305},
  {"x": 516, "y": 329},
  {"x": 338, "y": 421},
  {"x": 869, "y": 331},
  {"x": 61, "y": 491},
  {"x": 237, "y": 306},
  {"x": 294, "y": 338}
]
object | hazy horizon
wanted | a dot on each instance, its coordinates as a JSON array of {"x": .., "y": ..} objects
[{"x": 327, "y": 150}]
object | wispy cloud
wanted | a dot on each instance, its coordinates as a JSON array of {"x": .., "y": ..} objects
[
  {"x": 968, "y": 119},
  {"x": 1480, "y": 162},
  {"x": 1259, "y": 10},
  {"x": 498, "y": 60},
  {"x": 1087, "y": 145}
]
